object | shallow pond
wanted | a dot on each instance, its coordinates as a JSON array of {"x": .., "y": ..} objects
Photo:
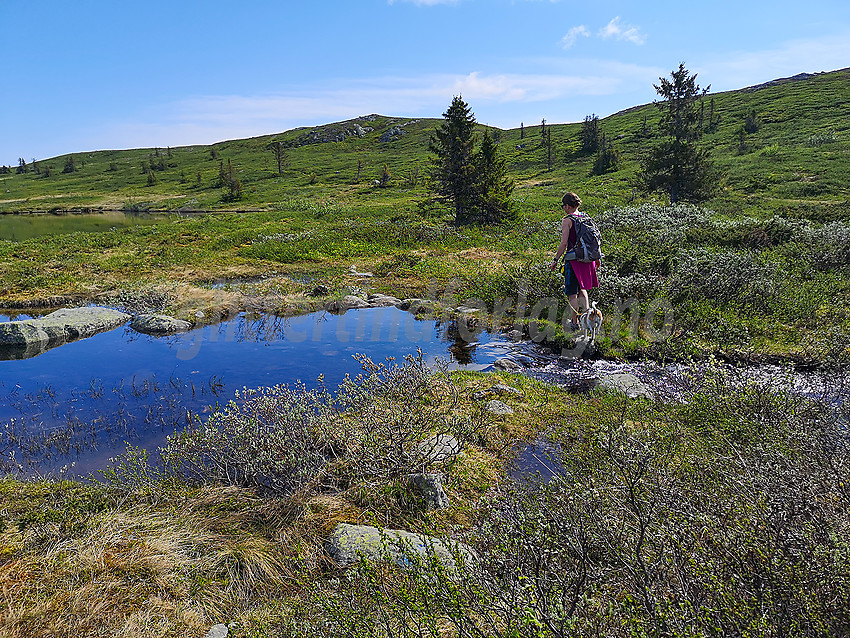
[
  {"x": 71, "y": 408},
  {"x": 81, "y": 402},
  {"x": 21, "y": 226}
]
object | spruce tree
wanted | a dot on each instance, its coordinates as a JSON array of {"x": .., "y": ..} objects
[
  {"x": 676, "y": 164},
  {"x": 453, "y": 168},
  {"x": 590, "y": 134},
  {"x": 494, "y": 186}
]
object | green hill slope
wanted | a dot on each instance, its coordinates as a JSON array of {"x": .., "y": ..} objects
[{"x": 798, "y": 159}]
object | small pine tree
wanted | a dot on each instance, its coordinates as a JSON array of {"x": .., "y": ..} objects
[
  {"x": 151, "y": 178},
  {"x": 607, "y": 157},
  {"x": 70, "y": 165},
  {"x": 494, "y": 188},
  {"x": 676, "y": 165},
  {"x": 22, "y": 166},
  {"x": 384, "y": 180},
  {"x": 590, "y": 134},
  {"x": 751, "y": 123}
]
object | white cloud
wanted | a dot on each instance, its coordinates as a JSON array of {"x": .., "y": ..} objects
[
  {"x": 622, "y": 32},
  {"x": 572, "y": 35}
]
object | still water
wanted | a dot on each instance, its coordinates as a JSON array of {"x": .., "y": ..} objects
[
  {"x": 18, "y": 227},
  {"x": 82, "y": 402}
]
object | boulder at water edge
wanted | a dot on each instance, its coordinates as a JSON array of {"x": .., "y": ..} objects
[
  {"x": 348, "y": 543},
  {"x": 31, "y": 337},
  {"x": 153, "y": 324}
]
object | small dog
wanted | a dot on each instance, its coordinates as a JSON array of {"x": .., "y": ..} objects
[{"x": 590, "y": 322}]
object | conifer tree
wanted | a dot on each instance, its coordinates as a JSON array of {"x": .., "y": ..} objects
[
  {"x": 676, "y": 164},
  {"x": 590, "y": 134},
  {"x": 494, "y": 186},
  {"x": 453, "y": 169},
  {"x": 475, "y": 183}
]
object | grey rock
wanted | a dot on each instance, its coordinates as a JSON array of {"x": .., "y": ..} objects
[
  {"x": 480, "y": 395},
  {"x": 430, "y": 488},
  {"x": 499, "y": 408},
  {"x": 513, "y": 335},
  {"x": 218, "y": 631},
  {"x": 627, "y": 384},
  {"x": 391, "y": 135},
  {"x": 418, "y": 306},
  {"x": 159, "y": 324},
  {"x": 348, "y": 543},
  {"x": 348, "y": 302},
  {"x": 466, "y": 310},
  {"x": 508, "y": 365},
  {"x": 31, "y": 337},
  {"x": 383, "y": 301},
  {"x": 355, "y": 273},
  {"x": 439, "y": 448}
]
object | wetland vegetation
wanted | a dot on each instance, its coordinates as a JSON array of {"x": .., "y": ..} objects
[{"x": 723, "y": 511}]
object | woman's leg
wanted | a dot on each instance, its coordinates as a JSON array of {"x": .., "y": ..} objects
[
  {"x": 574, "y": 307},
  {"x": 582, "y": 300}
]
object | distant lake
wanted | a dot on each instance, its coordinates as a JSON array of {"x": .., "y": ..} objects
[{"x": 21, "y": 226}]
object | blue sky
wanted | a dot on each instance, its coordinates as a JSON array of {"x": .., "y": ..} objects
[{"x": 93, "y": 74}]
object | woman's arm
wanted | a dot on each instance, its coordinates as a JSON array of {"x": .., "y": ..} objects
[{"x": 566, "y": 226}]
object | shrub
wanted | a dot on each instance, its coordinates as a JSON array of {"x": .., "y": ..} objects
[
  {"x": 280, "y": 439},
  {"x": 673, "y": 520}
]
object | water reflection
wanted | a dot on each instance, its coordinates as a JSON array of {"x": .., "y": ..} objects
[{"x": 83, "y": 401}]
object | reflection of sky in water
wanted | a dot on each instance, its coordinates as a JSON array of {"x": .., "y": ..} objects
[
  {"x": 140, "y": 386},
  {"x": 122, "y": 386}
]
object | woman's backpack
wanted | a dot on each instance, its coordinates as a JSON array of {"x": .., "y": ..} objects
[{"x": 588, "y": 246}]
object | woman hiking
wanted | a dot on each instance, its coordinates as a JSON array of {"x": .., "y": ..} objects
[{"x": 579, "y": 276}]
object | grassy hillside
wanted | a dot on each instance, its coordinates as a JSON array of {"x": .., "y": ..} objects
[
  {"x": 762, "y": 268},
  {"x": 797, "y": 161}
]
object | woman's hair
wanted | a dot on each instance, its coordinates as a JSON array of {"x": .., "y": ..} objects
[{"x": 571, "y": 199}]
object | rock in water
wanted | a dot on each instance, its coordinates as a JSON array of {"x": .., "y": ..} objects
[
  {"x": 31, "y": 337},
  {"x": 153, "y": 324}
]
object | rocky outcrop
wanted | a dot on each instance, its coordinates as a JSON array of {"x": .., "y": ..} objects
[
  {"x": 393, "y": 134},
  {"x": 627, "y": 384},
  {"x": 154, "y": 324},
  {"x": 348, "y": 543},
  {"x": 31, "y": 337}
]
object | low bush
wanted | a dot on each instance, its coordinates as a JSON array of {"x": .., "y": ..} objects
[
  {"x": 283, "y": 438},
  {"x": 666, "y": 520}
]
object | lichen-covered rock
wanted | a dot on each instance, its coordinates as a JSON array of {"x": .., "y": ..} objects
[
  {"x": 155, "y": 324},
  {"x": 348, "y": 543},
  {"x": 218, "y": 631},
  {"x": 382, "y": 301},
  {"x": 430, "y": 488},
  {"x": 509, "y": 365},
  {"x": 349, "y": 302},
  {"x": 31, "y": 337}
]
